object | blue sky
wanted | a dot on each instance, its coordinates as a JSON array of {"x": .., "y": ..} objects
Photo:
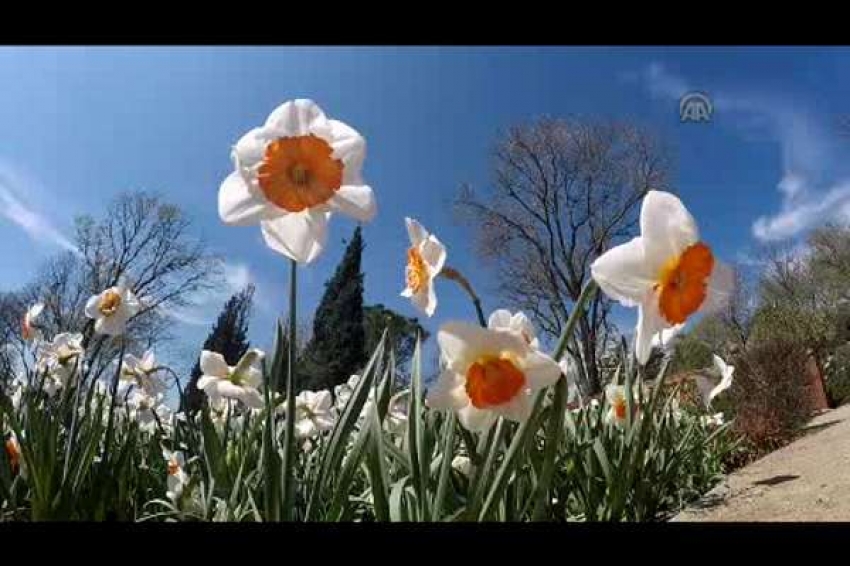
[{"x": 78, "y": 125}]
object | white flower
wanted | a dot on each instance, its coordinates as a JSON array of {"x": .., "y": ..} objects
[
  {"x": 397, "y": 411},
  {"x": 314, "y": 413},
  {"x": 291, "y": 174},
  {"x": 726, "y": 372},
  {"x": 707, "y": 388},
  {"x": 714, "y": 420},
  {"x": 143, "y": 372},
  {"x": 147, "y": 409},
  {"x": 112, "y": 308},
  {"x": 667, "y": 338},
  {"x": 617, "y": 403},
  {"x": 177, "y": 476},
  {"x": 518, "y": 323},
  {"x": 29, "y": 327},
  {"x": 462, "y": 464},
  {"x": 667, "y": 272},
  {"x": 425, "y": 259},
  {"x": 219, "y": 410},
  {"x": 489, "y": 373},
  {"x": 60, "y": 359},
  {"x": 239, "y": 382},
  {"x": 343, "y": 391}
]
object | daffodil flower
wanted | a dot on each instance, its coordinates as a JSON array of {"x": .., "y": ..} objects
[
  {"x": 60, "y": 359},
  {"x": 667, "y": 271},
  {"x": 397, "y": 411},
  {"x": 291, "y": 174},
  {"x": 239, "y": 382},
  {"x": 615, "y": 395},
  {"x": 142, "y": 372},
  {"x": 570, "y": 371},
  {"x": 29, "y": 327},
  {"x": 112, "y": 308},
  {"x": 177, "y": 477},
  {"x": 707, "y": 387},
  {"x": 314, "y": 413},
  {"x": 426, "y": 257},
  {"x": 343, "y": 391},
  {"x": 13, "y": 454},
  {"x": 517, "y": 323},
  {"x": 489, "y": 373}
]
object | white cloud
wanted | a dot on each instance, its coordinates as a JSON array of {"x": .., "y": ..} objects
[
  {"x": 814, "y": 183},
  {"x": 206, "y": 305},
  {"x": 24, "y": 215}
]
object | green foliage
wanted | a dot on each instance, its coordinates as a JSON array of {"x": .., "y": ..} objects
[
  {"x": 402, "y": 332},
  {"x": 338, "y": 345}
]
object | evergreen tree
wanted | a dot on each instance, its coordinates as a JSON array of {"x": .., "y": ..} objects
[
  {"x": 229, "y": 337},
  {"x": 337, "y": 347},
  {"x": 401, "y": 333}
]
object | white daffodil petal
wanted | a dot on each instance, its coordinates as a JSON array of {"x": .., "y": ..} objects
[
  {"x": 415, "y": 231},
  {"x": 299, "y": 236},
  {"x": 433, "y": 253},
  {"x": 666, "y": 226},
  {"x": 250, "y": 149},
  {"x": 296, "y": 118},
  {"x": 721, "y": 285},
  {"x": 447, "y": 393},
  {"x": 238, "y": 205},
  {"x": 461, "y": 343},
  {"x": 499, "y": 320},
  {"x": 517, "y": 409},
  {"x": 350, "y": 148},
  {"x": 475, "y": 419},
  {"x": 540, "y": 371},
  {"x": 623, "y": 274},
  {"x": 356, "y": 201},
  {"x": 92, "y": 304},
  {"x": 213, "y": 364},
  {"x": 649, "y": 324}
]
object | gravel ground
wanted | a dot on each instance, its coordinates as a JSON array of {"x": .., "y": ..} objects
[{"x": 808, "y": 480}]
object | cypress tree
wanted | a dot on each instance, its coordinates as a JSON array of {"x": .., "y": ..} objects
[
  {"x": 229, "y": 337},
  {"x": 337, "y": 347}
]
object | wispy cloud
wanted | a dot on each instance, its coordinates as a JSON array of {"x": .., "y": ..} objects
[
  {"x": 206, "y": 305},
  {"x": 14, "y": 208},
  {"x": 814, "y": 183}
]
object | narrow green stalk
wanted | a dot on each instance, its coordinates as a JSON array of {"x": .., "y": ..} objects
[
  {"x": 110, "y": 427},
  {"x": 587, "y": 294},
  {"x": 554, "y": 432},
  {"x": 445, "y": 466},
  {"x": 289, "y": 435},
  {"x": 457, "y": 277}
]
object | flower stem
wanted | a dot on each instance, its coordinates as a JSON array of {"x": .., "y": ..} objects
[
  {"x": 587, "y": 294},
  {"x": 110, "y": 428},
  {"x": 289, "y": 435},
  {"x": 457, "y": 277}
]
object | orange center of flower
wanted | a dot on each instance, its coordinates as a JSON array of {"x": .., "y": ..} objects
[
  {"x": 493, "y": 381},
  {"x": 109, "y": 302},
  {"x": 173, "y": 468},
  {"x": 416, "y": 272},
  {"x": 620, "y": 408},
  {"x": 683, "y": 282},
  {"x": 299, "y": 172},
  {"x": 13, "y": 454}
]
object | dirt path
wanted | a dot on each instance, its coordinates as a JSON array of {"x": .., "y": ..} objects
[{"x": 808, "y": 480}]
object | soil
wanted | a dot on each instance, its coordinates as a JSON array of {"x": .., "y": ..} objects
[{"x": 806, "y": 480}]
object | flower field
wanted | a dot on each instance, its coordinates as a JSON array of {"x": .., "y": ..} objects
[{"x": 504, "y": 433}]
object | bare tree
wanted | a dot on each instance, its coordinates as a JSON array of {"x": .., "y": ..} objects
[
  {"x": 140, "y": 237},
  {"x": 564, "y": 192}
]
